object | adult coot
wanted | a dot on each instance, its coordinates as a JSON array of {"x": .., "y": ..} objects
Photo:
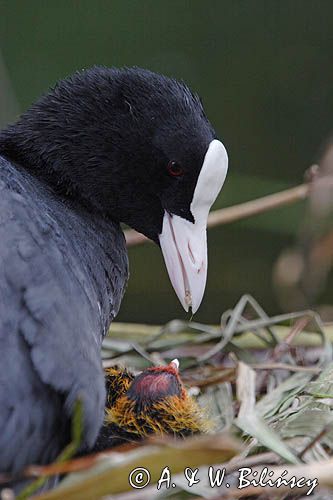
[{"x": 104, "y": 146}]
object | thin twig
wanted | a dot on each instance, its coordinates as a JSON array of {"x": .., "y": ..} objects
[
  {"x": 284, "y": 346},
  {"x": 284, "y": 366},
  {"x": 240, "y": 211},
  {"x": 315, "y": 440},
  {"x": 268, "y": 457}
]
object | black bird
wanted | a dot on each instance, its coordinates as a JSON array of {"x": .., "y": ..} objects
[{"x": 103, "y": 146}]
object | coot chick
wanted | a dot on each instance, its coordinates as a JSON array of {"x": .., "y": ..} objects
[{"x": 155, "y": 402}]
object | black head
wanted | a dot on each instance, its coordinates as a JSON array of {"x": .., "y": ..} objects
[
  {"x": 110, "y": 136},
  {"x": 127, "y": 143}
]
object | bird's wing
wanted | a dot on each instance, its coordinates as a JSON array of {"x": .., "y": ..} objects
[{"x": 54, "y": 304}]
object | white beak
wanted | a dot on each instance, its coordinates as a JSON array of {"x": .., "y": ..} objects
[{"x": 184, "y": 244}]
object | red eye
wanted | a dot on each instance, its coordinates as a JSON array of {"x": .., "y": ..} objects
[{"x": 174, "y": 168}]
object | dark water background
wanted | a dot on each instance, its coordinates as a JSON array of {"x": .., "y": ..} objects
[{"x": 264, "y": 69}]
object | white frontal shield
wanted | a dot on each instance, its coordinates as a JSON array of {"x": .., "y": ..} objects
[{"x": 183, "y": 243}]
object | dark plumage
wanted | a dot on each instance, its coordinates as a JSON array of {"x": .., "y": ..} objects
[
  {"x": 120, "y": 127},
  {"x": 60, "y": 286},
  {"x": 93, "y": 152}
]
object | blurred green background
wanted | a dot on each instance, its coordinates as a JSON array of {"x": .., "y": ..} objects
[{"x": 264, "y": 70}]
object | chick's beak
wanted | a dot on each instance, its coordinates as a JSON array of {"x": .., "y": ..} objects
[{"x": 183, "y": 243}]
